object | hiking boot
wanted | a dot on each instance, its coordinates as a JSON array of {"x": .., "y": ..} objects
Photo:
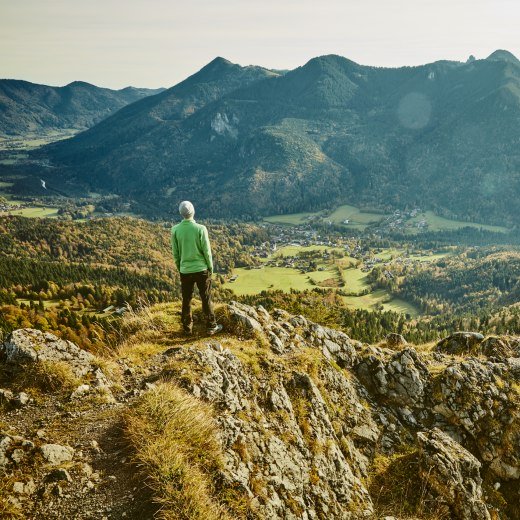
[{"x": 215, "y": 329}]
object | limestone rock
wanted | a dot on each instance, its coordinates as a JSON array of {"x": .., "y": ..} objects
[
  {"x": 402, "y": 379},
  {"x": 246, "y": 316},
  {"x": 460, "y": 343},
  {"x": 480, "y": 399},
  {"x": 56, "y": 454},
  {"x": 21, "y": 399},
  {"x": 34, "y": 345},
  {"x": 278, "y": 435},
  {"x": 81, "y": 391},
  {"x": 454, "y": 473},
  {"x": 394, "y": 340},
  {"x": 500, "y": 348}
]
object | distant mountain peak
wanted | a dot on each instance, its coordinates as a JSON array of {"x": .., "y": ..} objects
[
  {"x": 81, "y": 84},
  {"x": 218, "y": 63},
  {"x": 502, "y": 55},
  {"x": 332, "y": 59}
]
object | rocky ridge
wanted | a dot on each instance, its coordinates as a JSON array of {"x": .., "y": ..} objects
[{"x": 308, "y": 418}]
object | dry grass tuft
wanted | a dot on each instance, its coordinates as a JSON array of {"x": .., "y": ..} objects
[
  {"x": 139, "y": 352},
  {"x": 47, "y": 376},
  {"x": 8, "y": 510},
  {"x": 175, "y": 441},
  {"x": 397, "y": 489}
]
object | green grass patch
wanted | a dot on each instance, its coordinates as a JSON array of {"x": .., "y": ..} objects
[
  {"x": 358, "y": 219},
  {"x": 255, "y": 281},
  {"x": 293, "y": 219},
  {"x": 295, "y": 250},
  {"x": 381, "y": 297},
  {"x": 36, "y": 212},
  {"x": 355, "y": 280},
  {"x": 437, "y": 223}
]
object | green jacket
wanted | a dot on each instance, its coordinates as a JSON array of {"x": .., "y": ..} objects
[{"x": 191, "y": 247}]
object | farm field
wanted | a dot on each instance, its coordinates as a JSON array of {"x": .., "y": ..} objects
[
  {"x": 30, "y": 142},
  {"x": 46, "y": 303},
  {"x": 381, "y": 297},
  {"x": 36, "y": 212},
  {"x": 360, "y": 219},
  {"x": 254, "y": 281},
  {"x": 357, "y": 219},
  {"x": 355, "y": 280},
  {"x": 436, "y": 223},
  {"x": 264, "y": 278},
  {"x": 294, "y": 250},
  {"x": 293, "y": 219}
]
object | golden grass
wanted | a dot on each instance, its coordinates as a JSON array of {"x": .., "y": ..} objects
[
  {"x": 175, "y": 441},
  {"x": 397, "y": 489},
  {"x": 139, "y": 352},
  {"x": 8, "y": 510},
  {"x": 47, "y": 376}
]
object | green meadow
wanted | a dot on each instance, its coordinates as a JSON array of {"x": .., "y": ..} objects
[
  {"x": 436, "y": 223},
  {"x": 264, "y": 278},
  {"x": 36, "y": 212},
  {"x": 294, "y": 219},
  {"x": 358, "y": 219}
]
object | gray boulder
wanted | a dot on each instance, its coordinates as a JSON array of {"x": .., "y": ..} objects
[
  {"x": 394, "y": 340},
  {"x": 500, "y": 348},
  {"x": 31, "y": 345},
  {"x": 26, "y": 346},
  {"x": 460, "y": 343},
  {"x": 481, "y": 400},
  {"x": 56, "y": 454},
  {"x": 402, "y": 379},
  {"x": 454, "y": 473}
]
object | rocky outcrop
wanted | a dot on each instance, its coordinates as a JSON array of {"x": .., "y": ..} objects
[
  {"x": 31, "y": 346},
  {"x": 389, "y": 396},
  {"x": 286, "y": 332},
  {"x": 280, "y": 442},
  {"x": 482, "y": 401},
  {"x": 394, "y": 340},
  {"x": 500, "y": 348},
  {"x": 305, "y": 413},
  {"x": 400, "y": 381},
  {"x": 460, "y": 343},
  {"x": 454, "y": 473}
]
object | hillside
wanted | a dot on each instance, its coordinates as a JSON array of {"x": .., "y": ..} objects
[
  {"x": 276, "y": 418},
  {"x": 60, "y": 276},
  {"x": 443, "y": 136},
  {"x": 30, "y": 108}
]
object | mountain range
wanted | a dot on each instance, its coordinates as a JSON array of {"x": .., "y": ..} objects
[
  {"x": 246, "y": 141},
  {"x": 30, "y": 108}
]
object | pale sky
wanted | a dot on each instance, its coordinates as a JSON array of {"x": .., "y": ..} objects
[{"x": 157, "y": 43}]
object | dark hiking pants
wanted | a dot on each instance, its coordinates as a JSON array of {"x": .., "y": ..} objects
[{"x": 203, "y": 281}]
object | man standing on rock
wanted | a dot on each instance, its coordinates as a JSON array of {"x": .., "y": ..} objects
[{"x": 192, "y": 255}]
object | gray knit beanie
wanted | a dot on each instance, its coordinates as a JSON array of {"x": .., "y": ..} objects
[{"x": 186, "y": 209}]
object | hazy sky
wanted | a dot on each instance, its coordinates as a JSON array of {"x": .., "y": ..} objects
[{"x": 153, "y": 43}]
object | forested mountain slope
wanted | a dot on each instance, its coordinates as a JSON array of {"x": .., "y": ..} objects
[
  {"x": 246, "y": 141},
  {"x": 29, "y": 108}
]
